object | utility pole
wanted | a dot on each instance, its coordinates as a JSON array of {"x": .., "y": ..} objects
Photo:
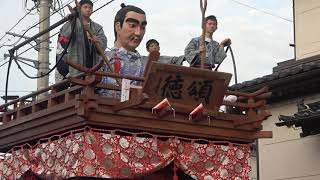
[{"x": 43, "y": 54}]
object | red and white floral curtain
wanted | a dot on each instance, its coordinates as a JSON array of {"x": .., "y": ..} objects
[{"x": 100, "y": 153}]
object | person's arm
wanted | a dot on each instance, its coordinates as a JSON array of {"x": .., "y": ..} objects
[
  {"x": 99, "y": 35},
  {"x": 177, "y": 60},
  {"x": 65, "y": 34},
  {"x": 191, "y": 51},
  {"x": 63, "y": 40},
  {"x": 102, "y": 38},
  {"x": 98, "y": 38},
  {"x": 219, "y": 54}
]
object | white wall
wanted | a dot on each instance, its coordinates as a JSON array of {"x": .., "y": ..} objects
[
  {"x": 307, "y": 28},
  {"x": 286, "y": 155}
]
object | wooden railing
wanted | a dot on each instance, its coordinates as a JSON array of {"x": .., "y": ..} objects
[{"x": 79, "y": 104}]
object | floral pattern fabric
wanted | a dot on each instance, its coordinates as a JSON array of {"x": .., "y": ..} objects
[{"x": 105, "y": 154}]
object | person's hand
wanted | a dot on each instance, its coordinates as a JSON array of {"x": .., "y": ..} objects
[
  {"x": 225, "y": 42},
  {"x": 94, "y": 39},
  {"x": 201, "y": 49}
]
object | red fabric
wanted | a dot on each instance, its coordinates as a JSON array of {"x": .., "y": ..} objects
[
  {"x": 117, "y": 65},
  {"x": 63, "y": 39},
  {"x": 103, "y": 154}
]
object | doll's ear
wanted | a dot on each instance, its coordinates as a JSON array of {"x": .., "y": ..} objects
[{"x": 118, "y": 27}]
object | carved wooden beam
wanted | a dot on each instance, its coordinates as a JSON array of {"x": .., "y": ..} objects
[
  {"x": 254, "y": 94},
  {"x": 139, "y": 99},
  {"x": 258, "y": 118}
]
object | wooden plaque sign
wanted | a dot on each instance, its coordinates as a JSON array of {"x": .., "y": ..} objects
[{"x": 186, "y": 87}]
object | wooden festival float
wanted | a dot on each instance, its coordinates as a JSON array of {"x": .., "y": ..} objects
[
  {"x": 173, "y": 117},
  {"x": 169, "y": 127}
]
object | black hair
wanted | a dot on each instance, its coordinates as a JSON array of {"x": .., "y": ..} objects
[
  {"x": 150, "y": 41},
  {"x": 212, "y": 18},
  {"x": 121, "y": 15},
  {"x": 82, "y": 2}
]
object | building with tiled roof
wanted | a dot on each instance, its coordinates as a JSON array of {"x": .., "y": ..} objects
[{"x": 292, "y": 153}]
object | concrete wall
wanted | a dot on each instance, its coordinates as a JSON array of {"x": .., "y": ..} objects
[
  {"x": 307, "y": 28},
  {"x": 286, "y": 155},
  {"x": 253, "y": 163}
]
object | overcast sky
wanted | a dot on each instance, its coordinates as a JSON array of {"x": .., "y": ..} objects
[{"x": 259, "y": 40}]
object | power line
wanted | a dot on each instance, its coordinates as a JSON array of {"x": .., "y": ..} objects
[
  {"x": 37, "y": 23},
  {"x": 34, "y": 25},
  {"x": 36, "y": 77},
  {"x": 38, "y": 43},
  {"x": 16, "y": 91},
  {"x": 263, "y": 11},
  {"x": 26, "y": 5},
  {"x": 58, "y": 32},
  {"x": 102, "y": 5},
  {"x": 3, "y": 63},
  {"x": 47, "y": 73},
  {"x": 17, "y": 23},
  {"x": 57, "y": 10},
  {"x": 59, "y": 4}
]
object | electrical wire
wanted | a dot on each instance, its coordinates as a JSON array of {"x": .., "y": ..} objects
[
  {"x": 16, "y": 24},
  {"x": 233, "y": 62},
  {"x": 61, "y": 9},
  {"x": 38, "y": 44},
  {"x": 67, "y": 3},
  {"x": 263, "y": 11},
  {"x": 7, "y": 79},
  {"x": 102, "y": 5},
  {"x": 234, "y": 68},
  {"x": 12, "y": 58},
  {"x": 13, "y": 44},
  {"x": 30, "y": 9},
  {"x": 35, "y": 25},
  {"x": 4, "y": 63},
  {"x": 26, "y": 63},
  {"x": 58, "y": 32},
  {"x": 17, "y": 91},
  {"x": 57, "y": 6},
  {"x": 63, "y": 53}
]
